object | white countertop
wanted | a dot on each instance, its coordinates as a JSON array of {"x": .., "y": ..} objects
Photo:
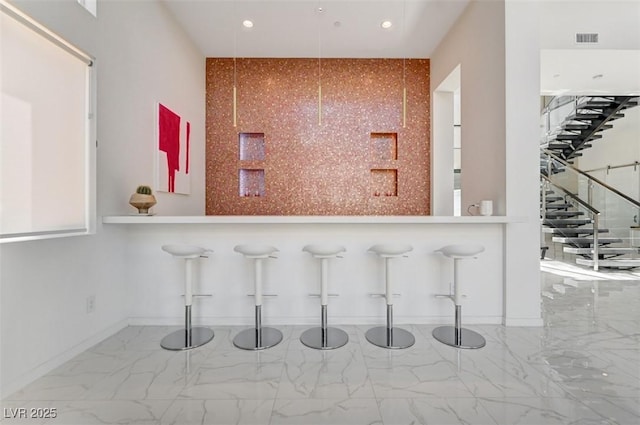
[{"x": 278, "y": 219}]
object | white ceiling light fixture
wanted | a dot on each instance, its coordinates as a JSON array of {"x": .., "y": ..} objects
[
  {"x": 247, "y": 23},
  {"x": 386, "y": 24}
]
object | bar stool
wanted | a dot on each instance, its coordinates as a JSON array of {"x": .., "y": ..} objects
[
  {"x": 457, "y": 336},
  {"x": 389, "y": 336},
  {"x": 324, "y": 337},
  {"x": 189, "y": 337},
  {"x": 260, "y": 337}
]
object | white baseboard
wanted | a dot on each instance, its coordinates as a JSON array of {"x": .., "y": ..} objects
[
  {"x": 523, "y": 321},
  {"x": 58, "y": 360}
]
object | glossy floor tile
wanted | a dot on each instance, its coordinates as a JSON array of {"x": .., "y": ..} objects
[{"x": 581, "y": 367}]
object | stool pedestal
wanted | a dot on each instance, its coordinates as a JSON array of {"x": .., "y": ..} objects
[
  {"x": 457, "y": 336},
  {"x": 390, "y": 336},
  {"x": 259, "y": 337},
  {"x": 324, "y": 337},
  {"x": 191, "y": 336}
]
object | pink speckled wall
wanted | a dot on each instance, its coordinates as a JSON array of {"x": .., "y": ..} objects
[{"x": 359, "y": 160}]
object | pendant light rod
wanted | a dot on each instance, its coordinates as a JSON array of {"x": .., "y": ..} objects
[
  {"x": 320, "y": 11},
  {"x": 404, "y": 67},
  {"x": 235, "y": 71}
]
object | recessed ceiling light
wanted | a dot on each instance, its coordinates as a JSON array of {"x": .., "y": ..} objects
[
  {"x": 247, "y": 23},
  {"x": 386, "y": 24}
]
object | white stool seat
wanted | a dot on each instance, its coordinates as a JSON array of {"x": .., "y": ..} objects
[
  {"x": 391, "y": 250},
  {"x": 191, "y": 336},
  {"x": 324, "y": 251},
  {"x": 256, "y": 251},
  {"x": 259, "y": 337},
  {"x": 461, "y": 251},
  {"x": 185, "y": 251}
]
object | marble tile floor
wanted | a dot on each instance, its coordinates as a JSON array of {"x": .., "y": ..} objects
[{"x": 582, "y": 367}]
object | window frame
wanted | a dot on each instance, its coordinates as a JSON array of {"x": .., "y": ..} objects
[{"x": 90, "y": 139}]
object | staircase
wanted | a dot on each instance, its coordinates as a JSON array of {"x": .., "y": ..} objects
[
  {"x": 580, "y": 235},
  {"x": 573, "y": 221},
  {"x": 581, "y": 128}
]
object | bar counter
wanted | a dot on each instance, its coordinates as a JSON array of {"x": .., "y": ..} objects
[
  {"x": 306, "y": 219},
  {"x": 155, "y": 278}
]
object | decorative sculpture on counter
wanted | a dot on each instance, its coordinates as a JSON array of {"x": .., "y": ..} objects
[{"x": 143, "y": 199}]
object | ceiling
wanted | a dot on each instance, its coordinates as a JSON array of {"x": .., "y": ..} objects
[
  {"x": 589, "y": 72},
  {"x": 352, "y": 28},
  {"x": 312, "y": 28}
]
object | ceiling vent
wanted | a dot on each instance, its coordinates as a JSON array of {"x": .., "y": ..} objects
[{"x": 587, "y": 38}]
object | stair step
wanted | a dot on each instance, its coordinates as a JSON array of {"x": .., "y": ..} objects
[
  {"x": 584, "y": 242},
  {"x": 554, "y": 198},
  {"x": 597, "y": 104},
  {"x": 558, "y": 206},
  {"x": 558, "y": 214},
  {"x": 582, "y": 116},
  {"x": 554, "y": 146},
  {"x": 566, "y": 222},
  {"x": 601, "y": 250},
  {"x": 572, "y": 231},
  {"x": 605, "y": 127},
  {"x": 619, "y": 263},
  {"x": 567, "y": 137},
  {"x": 594, "y": 137},
  {"x": 575, "y": 127},
  {"x": 585, "y": 145}
]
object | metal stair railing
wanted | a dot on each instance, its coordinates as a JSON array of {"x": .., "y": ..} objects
[
  {"x": 593, "y": 212},
  {"x": 555, "y": 103},
  {"x": 619, "y": 211},
  {"x": 552, "y": 157}
]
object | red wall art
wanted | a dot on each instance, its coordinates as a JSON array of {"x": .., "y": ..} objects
[{"x": 173, "y": 152}]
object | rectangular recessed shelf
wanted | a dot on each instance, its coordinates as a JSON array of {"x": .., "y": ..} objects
[
  {"x": 384, "y": 146},
  {"x": 251, "y": 146},
  {"x": 384, "y": 182},
  {"x": 251, "y": 182}
]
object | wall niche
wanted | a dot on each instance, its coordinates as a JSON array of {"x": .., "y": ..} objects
[{"x": 285, "y": 156}]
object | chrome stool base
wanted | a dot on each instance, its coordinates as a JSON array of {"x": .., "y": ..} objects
[
  {"x": 385, "y": 337},
  {"x": 182, "y": 340},
  {"x": 324, "y": 339},
  {"x": 459, "y": 337},
  {"x": 257, "y": 339}
]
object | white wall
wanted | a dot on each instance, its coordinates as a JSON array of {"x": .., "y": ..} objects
[
  {"x": 496, "y": 44},
  {"x": 476, "y": 43},
  {"x": 615, "y": 20},
  {"x": 142, "y": 57},
  {"x": 522, "y": 163}
]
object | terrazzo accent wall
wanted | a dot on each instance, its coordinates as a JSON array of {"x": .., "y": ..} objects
[{"x": 298, "y": 150}]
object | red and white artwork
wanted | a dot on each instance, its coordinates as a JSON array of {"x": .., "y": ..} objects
[{"x": 173, "y": 152}]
